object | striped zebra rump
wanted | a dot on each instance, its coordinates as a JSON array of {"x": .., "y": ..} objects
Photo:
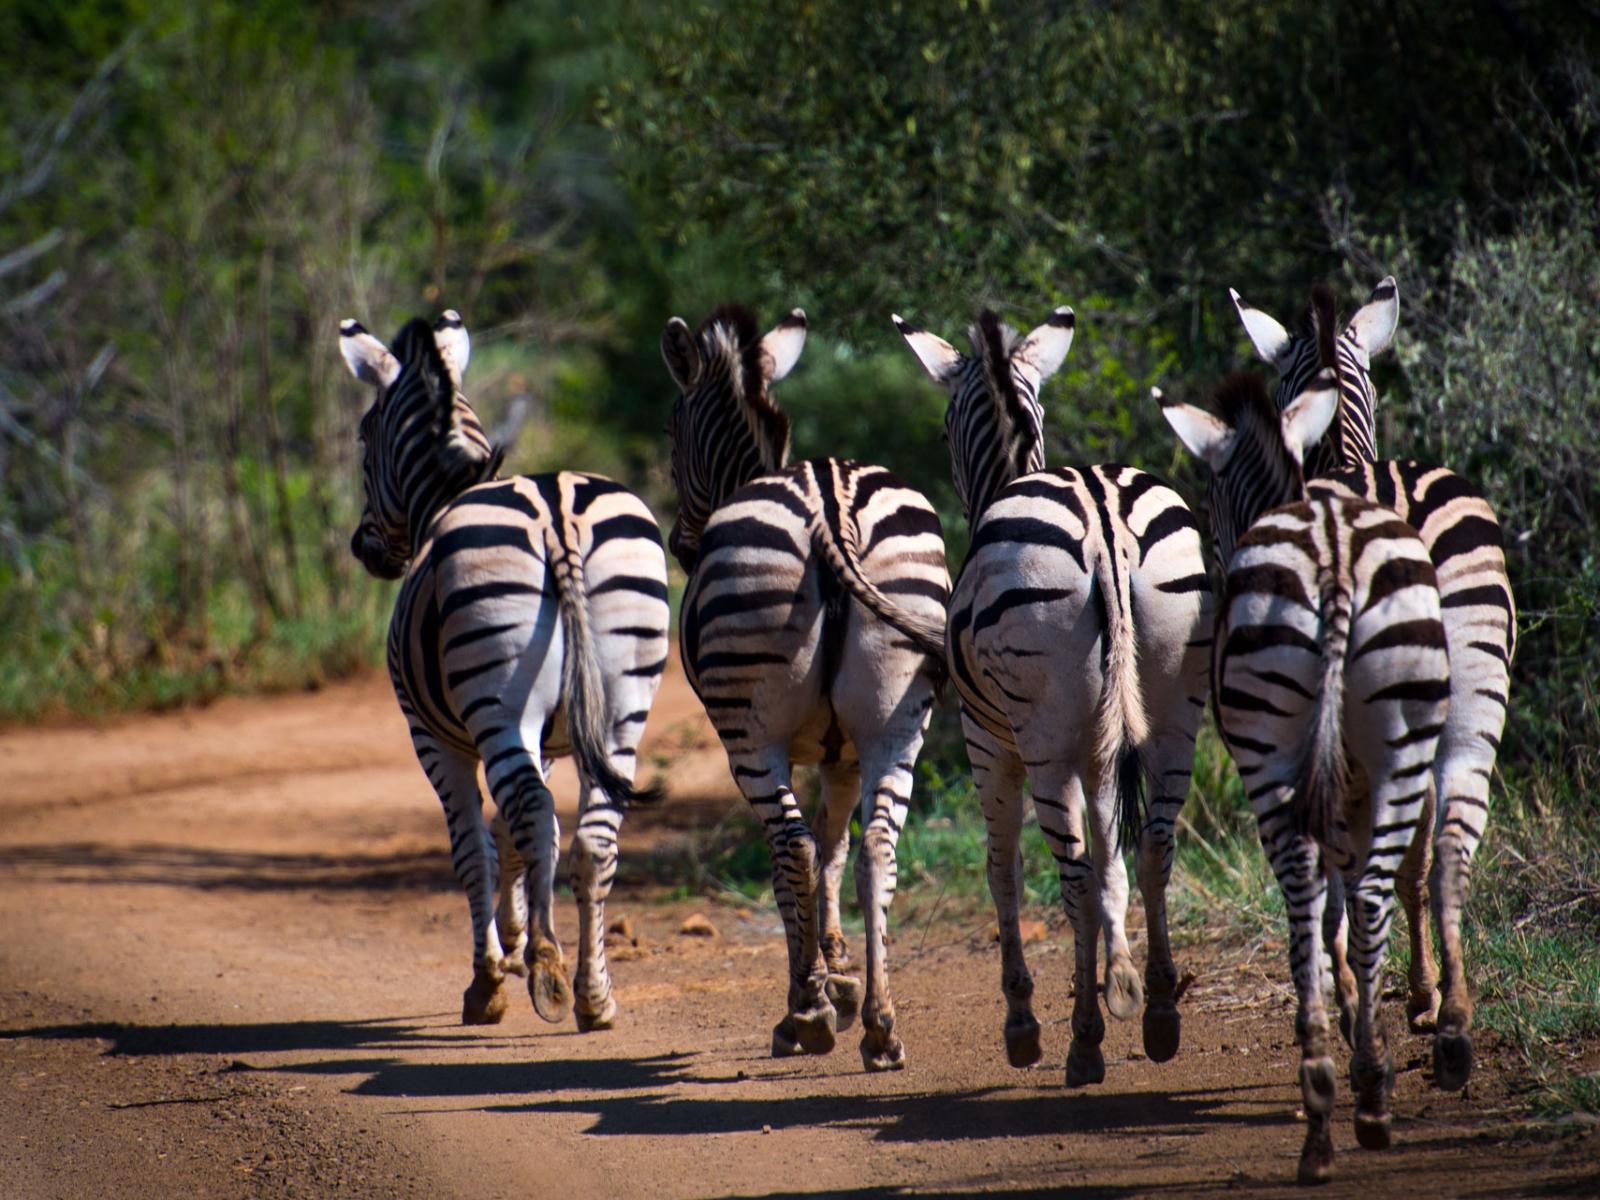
[
  {"x": 786, "y": 566},
  {"x": 535, "y": 587},
  {"x": 1126, "y": 596},
  {"x": 1331, "y": 630}
]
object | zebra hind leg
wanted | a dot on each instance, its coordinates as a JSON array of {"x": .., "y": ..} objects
[
  {"x": 529, "y": 810},
  {"x": 1058, "y": 798},
  {"x": 1340, "y": 980},
  {"x": 1465, "y": 812},
  {"x": 1297, "y": 864},
  {"x": 840, "y": 786},
  {"x": 472, "y": 855},
  {"x": 594, "y": 867},
  {"x": 999, "y": 775},
  {"x": 1371, "y": 1066},
  {"x": 1411, "y": 884},
  {"x": 1170, "y": 765},
  {"x": 511, "y": 917},
  {"x": 762, "y": 774},
  {"x": 877, "y": 875}
]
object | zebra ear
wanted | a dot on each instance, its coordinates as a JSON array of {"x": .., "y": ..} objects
[
  {"x": 939, "y": 358},
  {"x": 1372, "y": 327},
  {"x": 369, "y": 359},
  {"x": 780, "y": 349},
  {"x": 455, "y": 347},
  {"x": 680, "y": 353},
  {"x": 1269, "y": 338},
  {"x": 1307, "y": 419},
  {"x": 1044, "y": 350},
  {"x": 1207, "y": 437}
]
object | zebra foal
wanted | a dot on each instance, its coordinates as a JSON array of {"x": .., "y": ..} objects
[
  {"x": 1465, "y": 544},
  {"x": 1077, "y": 639},
  {"x": 531, "y": 621},
  {"x": 811, "y": 629},
  {"x": 1331, "y": 685}
]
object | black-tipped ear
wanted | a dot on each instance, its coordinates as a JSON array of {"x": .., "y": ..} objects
[{"x": 680, "y": 353}]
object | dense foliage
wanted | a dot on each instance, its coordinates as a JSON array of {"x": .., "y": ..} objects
[{"x": 191, "y": 196}]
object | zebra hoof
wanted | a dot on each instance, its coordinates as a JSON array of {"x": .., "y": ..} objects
[
  {"x": 512, "y": 964},
  {"x": 1022, "y": 1040},
  {"x": 1085, "y": 1065},
  {"x": 1452, "y": 1061},
  {"x": 1373, "y": 1130},
  {"x": 595, "y": 1022},
  {"x": 550, "y": 990},
  {"x": 1162, "y": 1032},
  {"x": 484, "y": 1002},
  {"x": 884, "y": 1052},
  {"x": 1124, "y": 992},
  {"x": 785, "y": 1040},
  {"x": 1422, "y": 1012},
  {"x": 844, "y": 993},
  {"x": 1316, "y": 1156},
  {"x": 804, "y": 1033}
]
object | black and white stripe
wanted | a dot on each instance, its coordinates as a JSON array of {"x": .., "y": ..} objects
[
  {"x": 531, "y": 622},
  {"x": 1331, "y": 681},
  {"x": 1464, "y": 541},
  {"x": 1300, "y": 357},
  {"x": 812, "y": 629},
  {"x": 1078, "y": 638}
]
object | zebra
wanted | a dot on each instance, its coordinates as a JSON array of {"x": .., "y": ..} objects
[
  {"x": 1078, "y": 639},
  {"x": 531, "y": 621},
  {"x": 812, "y": 630},
  {"x": 1465, "y": 544},
  {"x": 1298, "y": 359},
  {"x": 1331, "y": 683}
]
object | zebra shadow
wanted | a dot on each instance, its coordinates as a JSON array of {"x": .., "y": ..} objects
[{"x": 934, "y": 1116}]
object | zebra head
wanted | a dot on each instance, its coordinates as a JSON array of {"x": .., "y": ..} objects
[
  {"x": 1255, "y": 453},
  {"x": 994, "y": 423},
  {"x": 1321, "y": 344},
  {"x": 725, "y": 427},
  {"x": 421, "y": 442}
]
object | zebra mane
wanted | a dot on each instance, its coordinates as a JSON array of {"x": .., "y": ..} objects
[
  {"x": 730, "y": 343},
  {"x": 994, "y": 340},
  {"x": 1324, "y": 325},
  {"x": 458, "y": 453},
  {"x": 1324, "y": 321}
]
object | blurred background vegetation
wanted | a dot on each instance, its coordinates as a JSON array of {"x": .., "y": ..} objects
[{"x": 192, "y": 195}]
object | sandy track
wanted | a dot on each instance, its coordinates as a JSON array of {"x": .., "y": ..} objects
[{"x": 233, "y": 955}]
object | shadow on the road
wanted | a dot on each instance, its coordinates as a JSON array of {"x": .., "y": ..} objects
[
  {"x": 213, "y": 869},
  {"x": 263, "y": 1038},
  {"x": 926, "y": 1116}
]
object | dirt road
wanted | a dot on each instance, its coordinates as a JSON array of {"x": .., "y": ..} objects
[{"x": 232, "y": 959}]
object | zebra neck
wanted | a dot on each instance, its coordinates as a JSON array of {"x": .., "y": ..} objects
[{"x": 436, "y": 493}]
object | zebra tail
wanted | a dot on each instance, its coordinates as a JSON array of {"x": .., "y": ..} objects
[
  {"x": 582, "y": 685},
  {"x": 1121, "y": 724},
  {"x": 839, "y": 550},
  {"x": 1323, "y": 773}
]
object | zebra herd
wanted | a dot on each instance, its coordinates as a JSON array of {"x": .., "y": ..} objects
[{"x": 1357, "y": 660}]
